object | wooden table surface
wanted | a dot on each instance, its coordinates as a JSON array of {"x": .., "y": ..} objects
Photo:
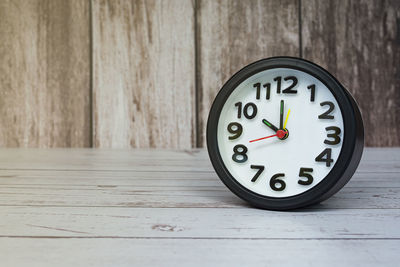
[{"x": 77, "y": 207}]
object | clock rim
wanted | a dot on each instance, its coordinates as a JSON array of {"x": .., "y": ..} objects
[{"x": 348, "y": 158}]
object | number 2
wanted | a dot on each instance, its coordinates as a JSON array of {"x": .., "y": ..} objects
[{"x": 326, "y": 115}]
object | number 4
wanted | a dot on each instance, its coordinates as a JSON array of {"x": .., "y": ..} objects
[{"x": 325, "y": 156}]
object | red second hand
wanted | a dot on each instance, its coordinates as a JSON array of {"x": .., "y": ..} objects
[
  {"x": 280, "y": 134},
  {"x": 263, "y": 138}
]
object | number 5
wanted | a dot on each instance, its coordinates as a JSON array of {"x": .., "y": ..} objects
[{"x": 303, "y": 173}]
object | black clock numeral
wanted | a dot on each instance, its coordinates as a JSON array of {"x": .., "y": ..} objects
[
  {"x": 258, "y": 92},
  {"x": 260, "y": 169},
  {"x": 278, "y": 81},
  {"x": 335, "y": 135},
  {"x": 239, "y": 154},
  {"x": 290, "y": 89},
  {"x": 236, "y": 129},
  {"x": 312, "y": 88},
  {"x": 253, "y": 110},
  {"x": 275, "y": 181},
  {"x": 327, "y": 153},
  {"x": 249, "y": 115},
  {"x": 239, "y": 106},
  {"x": 267, "y": 86},
  {"x": 305, "y": 172},
  {"x": 325, "y": 115}
]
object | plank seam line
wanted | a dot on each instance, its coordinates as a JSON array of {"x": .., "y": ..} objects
[
  {"x": 188, "y": 207},
  {"x": 197, "y": 75},
  {"x": 150, "y": 171},
  {"x": 300, "y": 32},
  {"x": 100, "y": 170},
  {"x": 91, "y": 68},
  {"x": 114, "y": 187},
  {"x": 197, "y": 238}
]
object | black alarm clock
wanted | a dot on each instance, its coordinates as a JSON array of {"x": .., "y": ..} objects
[{"x": 283, "y": 133}]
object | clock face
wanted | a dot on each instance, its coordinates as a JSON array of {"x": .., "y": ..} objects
[{"x": 280, "y": 132}]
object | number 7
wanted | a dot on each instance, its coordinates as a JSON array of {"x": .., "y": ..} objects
[{"x": 260, "y": 169}]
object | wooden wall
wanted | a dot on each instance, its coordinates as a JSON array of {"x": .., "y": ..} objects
[
  {"x": 45, "y": 73},
  {"x": 143, "y": 73}
]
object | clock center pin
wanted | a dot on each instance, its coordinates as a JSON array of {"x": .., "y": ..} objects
[{"x": 282, "y": 134}]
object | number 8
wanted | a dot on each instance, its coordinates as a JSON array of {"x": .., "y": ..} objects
[{"x": 236, "y": 156}]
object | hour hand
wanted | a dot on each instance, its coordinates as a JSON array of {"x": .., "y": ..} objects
[{"x": 270, "y": 125}]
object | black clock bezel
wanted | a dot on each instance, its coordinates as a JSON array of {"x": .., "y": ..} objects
[{"x": 347, "y": 161}]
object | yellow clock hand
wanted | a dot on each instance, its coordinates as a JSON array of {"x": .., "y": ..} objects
[{"x": 287, "y": 117}]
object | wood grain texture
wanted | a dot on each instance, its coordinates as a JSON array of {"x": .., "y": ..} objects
[
  {"x": 143, "y": 73},
  {"x": 44, "y": 73},
  {"x": 232, "y": 34},
  {"x": 359, "y": 43},
  {"x": 162, "y": 179},
  {"x": 150, "y": 196},
  {"x": 128, "y": 207},
  {"x": 197, "y": 252},
  {"x": 157, "y": 65},
  {"x": 152, "y": 160},
  {"x": 197, "y": 223}
]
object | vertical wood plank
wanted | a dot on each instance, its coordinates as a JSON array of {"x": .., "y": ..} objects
[
  {"x": 232, "y": 34},
  {"x": 358, "y": 41},
  {"x": 143, "y": 73},
  {"x": 44, "y": 73}
]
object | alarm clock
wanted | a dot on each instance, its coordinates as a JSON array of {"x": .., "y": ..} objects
[{"x": 283, "y": 133}]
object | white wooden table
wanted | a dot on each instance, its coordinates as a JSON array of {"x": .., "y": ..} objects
[{"x": 77, "y": 207}]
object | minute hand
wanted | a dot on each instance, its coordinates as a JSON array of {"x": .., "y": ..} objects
[
  {"x": 270, "y": 125},
  {"x": 281, "y": 115}
]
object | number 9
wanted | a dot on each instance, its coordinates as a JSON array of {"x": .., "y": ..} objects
[{"x": 236, "y": 129}]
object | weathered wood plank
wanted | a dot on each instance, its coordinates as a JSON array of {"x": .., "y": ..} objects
[
  {"x": 98, "y": 179},
  {"x": 198, "y": 223},
  {"x": 177, "y": 197},
  {"x": 198, "y": 252},
  {"x": 232, "y": 34},
  {"x": 359, "y": 42},
  {"x": 116, "y": 216},
  {"x": 158, "y": 178},
  {"x": 152, "y": 160},
  {"x": 143, "y": 74},
  {"x": 45, "y": 73},
  {"x": 381, "y": 154}
]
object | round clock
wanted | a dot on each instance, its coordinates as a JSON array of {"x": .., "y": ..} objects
[{"x": 283, "y": 133}]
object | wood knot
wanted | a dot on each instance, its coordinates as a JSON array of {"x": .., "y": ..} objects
[{"x": 167, "y": 228}]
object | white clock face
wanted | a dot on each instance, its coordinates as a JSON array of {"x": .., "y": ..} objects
[{"x": 280, "y": 132}]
